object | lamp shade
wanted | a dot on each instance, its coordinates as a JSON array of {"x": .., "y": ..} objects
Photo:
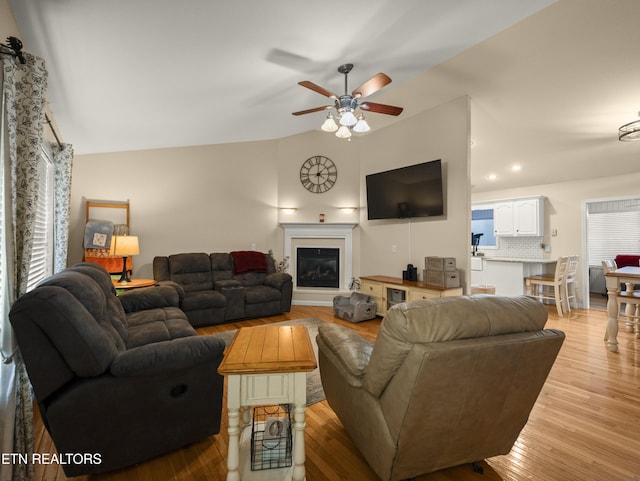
[
  {"x": 329, "y": 124},
  {"x": 124, "y": 245},
  {"x": 343, "y": 132},
  {"x": 362, "y": 125},
  {"x": 347, "y": 118}
]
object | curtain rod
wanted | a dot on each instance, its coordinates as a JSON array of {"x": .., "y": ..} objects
[
  {"x": 16, "y": 46},
  {"x": 53, "y": 131}
]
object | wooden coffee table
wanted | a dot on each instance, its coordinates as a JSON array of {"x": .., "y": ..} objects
[{"x": 267, "y": 365}]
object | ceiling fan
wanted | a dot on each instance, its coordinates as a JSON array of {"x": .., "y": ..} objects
[{"x": 347, "y": 104}]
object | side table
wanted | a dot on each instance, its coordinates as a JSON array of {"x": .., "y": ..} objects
[
  {"x": 267, "y": 365},
  {"x": 134, "y": 284}
]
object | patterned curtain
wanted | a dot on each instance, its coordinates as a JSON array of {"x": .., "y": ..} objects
[
  {"x": 63, "y": 159},
  {"x": 23, "y": 90}
]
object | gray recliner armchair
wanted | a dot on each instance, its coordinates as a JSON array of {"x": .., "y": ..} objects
[
  {"x": 447, "y": 381},
  {"x": 357, "y": 307},
  {"x": 119, "y": 379}
]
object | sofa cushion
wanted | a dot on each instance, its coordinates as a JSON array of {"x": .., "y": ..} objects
[
  {"x": 191, "y": 271},
  {"x": 86, "y": 349},
  {"x": 157, "y": 325},
  {"x": 221, "y": 265},
  {"x": 104, "y": 309},
  {"x": 202, "y": 300},
  {"x": 249, "y": 279},
  {"x": 260, "y": 294},
  {"x": 113, "y": 319},
  {"x": 96, "y": 272}
]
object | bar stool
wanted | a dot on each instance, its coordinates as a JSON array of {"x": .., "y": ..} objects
[
  {"x": 570, "y": 284},
  {"x": 544, "y": 287}
]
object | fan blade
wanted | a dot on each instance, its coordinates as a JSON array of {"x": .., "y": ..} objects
[
  {"x": 381, "y": 108},
  {"x": 317, "y": 88},
  {"x": 310, "y": 111},
  {"x": 372, "y": 85}
]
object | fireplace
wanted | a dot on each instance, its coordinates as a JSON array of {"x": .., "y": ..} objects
[
  {"x": 319, "y": 236},
  {"x": 318, "y": 267}
]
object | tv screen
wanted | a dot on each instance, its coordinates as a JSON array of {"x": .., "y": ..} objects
[{"x": 413, "y": 191}]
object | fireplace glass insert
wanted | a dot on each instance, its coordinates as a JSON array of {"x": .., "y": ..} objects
[{"x": 318, "y": 267}]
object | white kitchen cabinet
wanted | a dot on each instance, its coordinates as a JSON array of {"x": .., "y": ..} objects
[
  {"x": 503, "y": 219},
  {"x": 519, "y": 217}
]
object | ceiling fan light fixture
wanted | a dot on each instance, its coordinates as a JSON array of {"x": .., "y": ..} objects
[
  {"x": 347, "y": 118},
  {"x": 362, "y": 125},
  {"x": 629, "y": 132},
  {"x": 347, "y": 104},
  {"x": 343, "y": 132},
  {"x": 329, "y": 124}
]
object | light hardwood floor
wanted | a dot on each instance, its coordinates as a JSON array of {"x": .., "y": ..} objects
[{"x": 585, "y": 425}]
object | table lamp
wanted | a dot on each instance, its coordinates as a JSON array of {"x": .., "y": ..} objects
[{"x": 124, "y": 245}]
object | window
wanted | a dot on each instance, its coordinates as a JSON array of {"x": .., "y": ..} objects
[
  {"x": 613, "y": 227},
  {"x": 482, "y": 223},
  {"x": 42, "y": 253}
]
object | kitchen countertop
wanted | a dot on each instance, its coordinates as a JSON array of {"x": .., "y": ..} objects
[{"x": 524, "y": 260}]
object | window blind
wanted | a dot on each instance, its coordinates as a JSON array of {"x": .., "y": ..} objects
[
  {"x": 41, "y": 264},
  {"x": 613, "y": 227}
]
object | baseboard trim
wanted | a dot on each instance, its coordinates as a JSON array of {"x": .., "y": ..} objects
[{"x": 312, "y": 303}]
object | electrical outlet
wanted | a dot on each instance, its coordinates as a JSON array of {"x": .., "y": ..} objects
[
  {"x": 253, "y": 247},
  {"x": 394, "y": 248},
  {"x": 547, "y": 248}
]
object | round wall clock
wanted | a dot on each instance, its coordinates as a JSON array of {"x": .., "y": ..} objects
[{"x": 318, "y": 174}]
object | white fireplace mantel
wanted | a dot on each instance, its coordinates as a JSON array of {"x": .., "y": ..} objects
[{"x": 323, "y": 231}]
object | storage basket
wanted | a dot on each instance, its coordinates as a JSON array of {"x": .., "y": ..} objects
[{"x": 271, "y": 443}]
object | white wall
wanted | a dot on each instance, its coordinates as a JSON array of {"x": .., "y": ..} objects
[
  {"x": 439, "y": 133},
  {"x": 564, "y": 212},
  {"x": 213, "y": 198},
  {"x": 292, "y": 152},
  {"x": 226, "y": 197}
]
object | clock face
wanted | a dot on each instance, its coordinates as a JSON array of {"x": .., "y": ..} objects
[{"x": 318, "y": 174}]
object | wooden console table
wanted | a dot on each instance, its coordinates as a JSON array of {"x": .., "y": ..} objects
[
  {"x": 387, "y": 291},
  {"x": 267, "y": 365}
]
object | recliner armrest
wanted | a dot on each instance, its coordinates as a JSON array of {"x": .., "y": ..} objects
[
  {"x": 179, "y": 289},
  {"x": 349, "y": 348},
  {"x": 167, "y": 356},
  {"x": 149, "y": 298},
  {"x": 277, "y": 280}
]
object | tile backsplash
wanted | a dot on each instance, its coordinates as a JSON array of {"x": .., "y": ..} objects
[{"x": 525, "y": 247}]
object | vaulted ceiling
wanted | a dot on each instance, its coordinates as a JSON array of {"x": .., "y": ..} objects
[{"x": 550, "y": 82}]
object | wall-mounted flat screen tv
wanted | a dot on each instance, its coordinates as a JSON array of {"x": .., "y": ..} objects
[{"x": 407, "y": 192}]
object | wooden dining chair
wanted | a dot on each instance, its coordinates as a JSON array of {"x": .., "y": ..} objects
[
  {"x": 551, "y": 288},
  {"x": 570, "y": 282},
  {"x": 628, "y": 302}
]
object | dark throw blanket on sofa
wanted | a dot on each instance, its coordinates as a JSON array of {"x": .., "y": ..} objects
[{"x": 248, "y": 261}]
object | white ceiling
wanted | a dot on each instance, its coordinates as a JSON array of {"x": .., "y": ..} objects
[{"x": 547, "y": 92}]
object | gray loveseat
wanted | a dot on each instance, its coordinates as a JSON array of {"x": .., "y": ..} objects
[
  {"x": 118, "y": 379},
  {"x": 219, "y": 287},
  {"x": 447, "y": 381}
]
